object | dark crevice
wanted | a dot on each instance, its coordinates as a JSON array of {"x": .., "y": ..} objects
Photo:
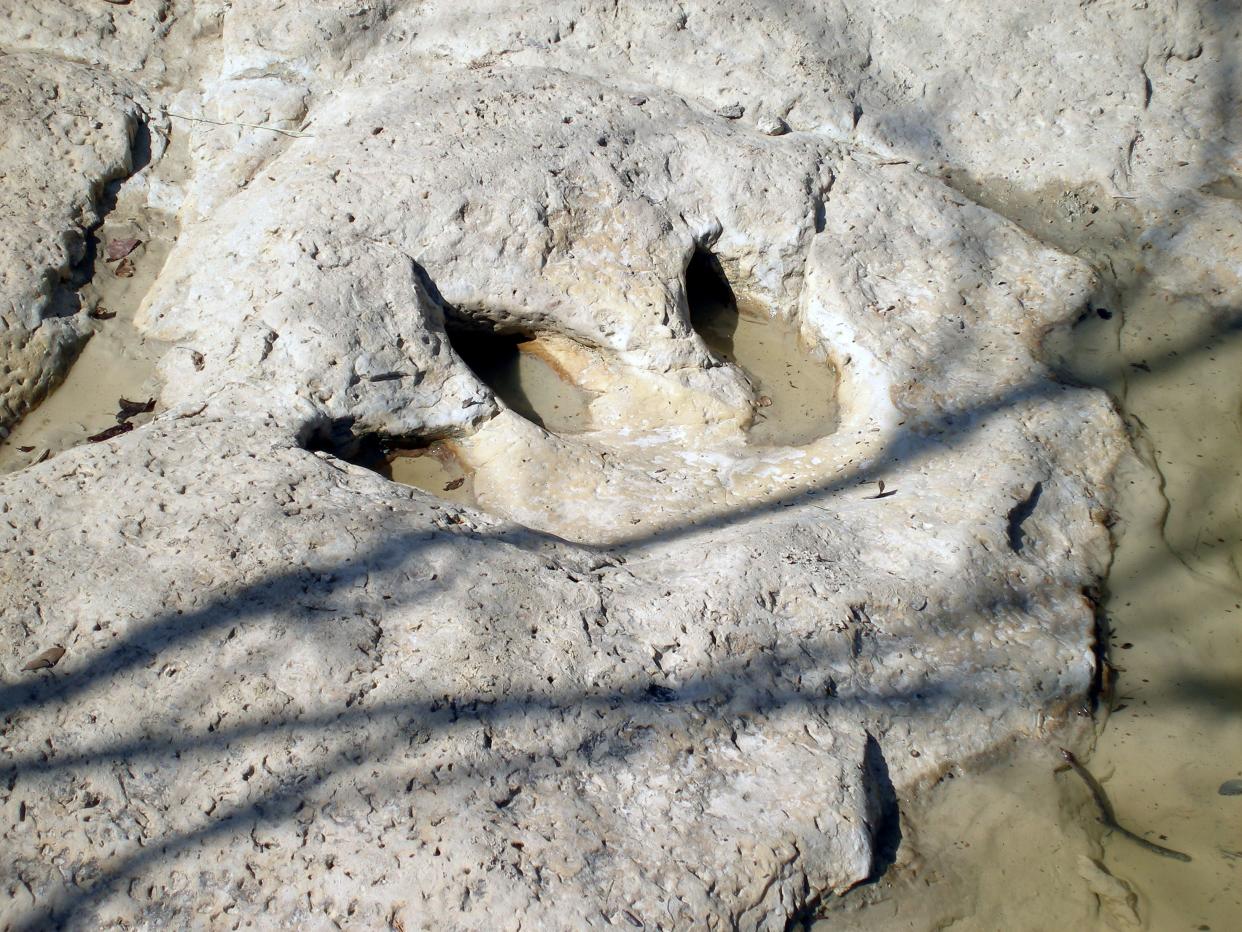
[
  {"x": 140, "y": 148},
  {"x": 707, "y": 290},
  {"x": 494, "y": 358},
  {"x": 711, "y": 304},
  {"x": 337, "y": 437},
  {"x": 821, "y": 215},
  {"x": 706, "y": 284},
  {"x": 1102, "y": 679},
  {"x": 523, "y": 378},
  {"x": 65, "y": 300}
]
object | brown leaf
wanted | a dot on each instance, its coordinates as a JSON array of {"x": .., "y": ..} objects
[
  {"x": 124, "y": 269},
  {"x": 455, "y": 484},
  {"x": 26, "y": 449},
  {"x": 102, "y": 313},
  {"x": 46, "y": 660},
  {"x": 109, "y": 433},
  {"x": 120, "y": 248},
  {"x": 132, "y": 408},
  {"x": 883, "y": 493}
]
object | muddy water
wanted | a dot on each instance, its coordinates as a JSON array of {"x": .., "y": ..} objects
[
  {"x": 526, "y": 378},
  {"x": 1019, "y": 846},
  {"x": 117, "y": 361},
  {"x": 796, "y": 385},
  {"x": 795, "y": 390},
  {"x": 1175, "y": 605},
  {"x": 433, "y": 469}
]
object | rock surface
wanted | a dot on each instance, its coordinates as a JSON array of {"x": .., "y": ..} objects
[
  {"x": 661, "y": 675},
  {"x": 69, "y": 131}
]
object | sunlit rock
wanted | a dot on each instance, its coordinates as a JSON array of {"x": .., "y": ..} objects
[{"x": 739, "y": 500}]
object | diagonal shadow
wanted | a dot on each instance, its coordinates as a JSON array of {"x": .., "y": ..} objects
[
  {"x": 269, "y": 595},
  {"x": 736, "y": 688},
  {"x": 911, "y": 445}
]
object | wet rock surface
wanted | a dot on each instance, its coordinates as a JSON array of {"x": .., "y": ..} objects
[
  {"x": 654, "y": 671},
  {"x": 69, "y": 131}
]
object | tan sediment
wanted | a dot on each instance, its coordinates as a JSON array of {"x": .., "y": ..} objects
[
  {"x": 433, "y": 469},
  {"x": 1000, "y": 849},
  {"x": 116, "y": 362},
  {"x": 796, "y": 385}
]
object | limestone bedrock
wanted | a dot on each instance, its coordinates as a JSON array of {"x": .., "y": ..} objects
[
  {"x": 68, "y": 132},
  {"x": 659, "y": 674}
]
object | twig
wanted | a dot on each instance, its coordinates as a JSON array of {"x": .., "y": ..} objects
[
  {"x": 1108, "y": 817},
  {"x": 271, "y": 129}
]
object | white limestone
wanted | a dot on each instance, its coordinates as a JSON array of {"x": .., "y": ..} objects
[{"x": 661, "y": 676}]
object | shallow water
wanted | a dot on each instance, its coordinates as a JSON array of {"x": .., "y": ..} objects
[
  {"x": 526, "y": 379},
  {"x": 796, "y": 385},
  {"x": 1005, "y": 848},
  {"x": 795, "y": 390},
  {"x": 433, "y": 469},
  {"x": 1175, "y": 611},
  {"x": 116, "y": 362}
]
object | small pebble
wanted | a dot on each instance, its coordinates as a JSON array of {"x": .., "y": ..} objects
[
  {"x": 773, "y": 126},
  {"x": 1231, "y": 788},
  {"x": 731, "y": 111}
]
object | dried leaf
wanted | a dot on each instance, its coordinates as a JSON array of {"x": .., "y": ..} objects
[
  {"x": 114, "y": 431},
  {"x": 455, "y": 484},
  {"x": 26, "y": 449},
  {"x": 130, "y": 409},
  {"x": 102, "y": 313},
  {"x": 124, "y": 269},
  {"x": 883, "y": 493},
  {"x": 46, "y": 660},
  {"x": 120, "y": 248}
]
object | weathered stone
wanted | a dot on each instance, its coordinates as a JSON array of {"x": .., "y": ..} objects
[
  {"x": 661, "y": 675},
  {"x": 69, "y": 131},
  {"x": 772, "y": 126}
]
